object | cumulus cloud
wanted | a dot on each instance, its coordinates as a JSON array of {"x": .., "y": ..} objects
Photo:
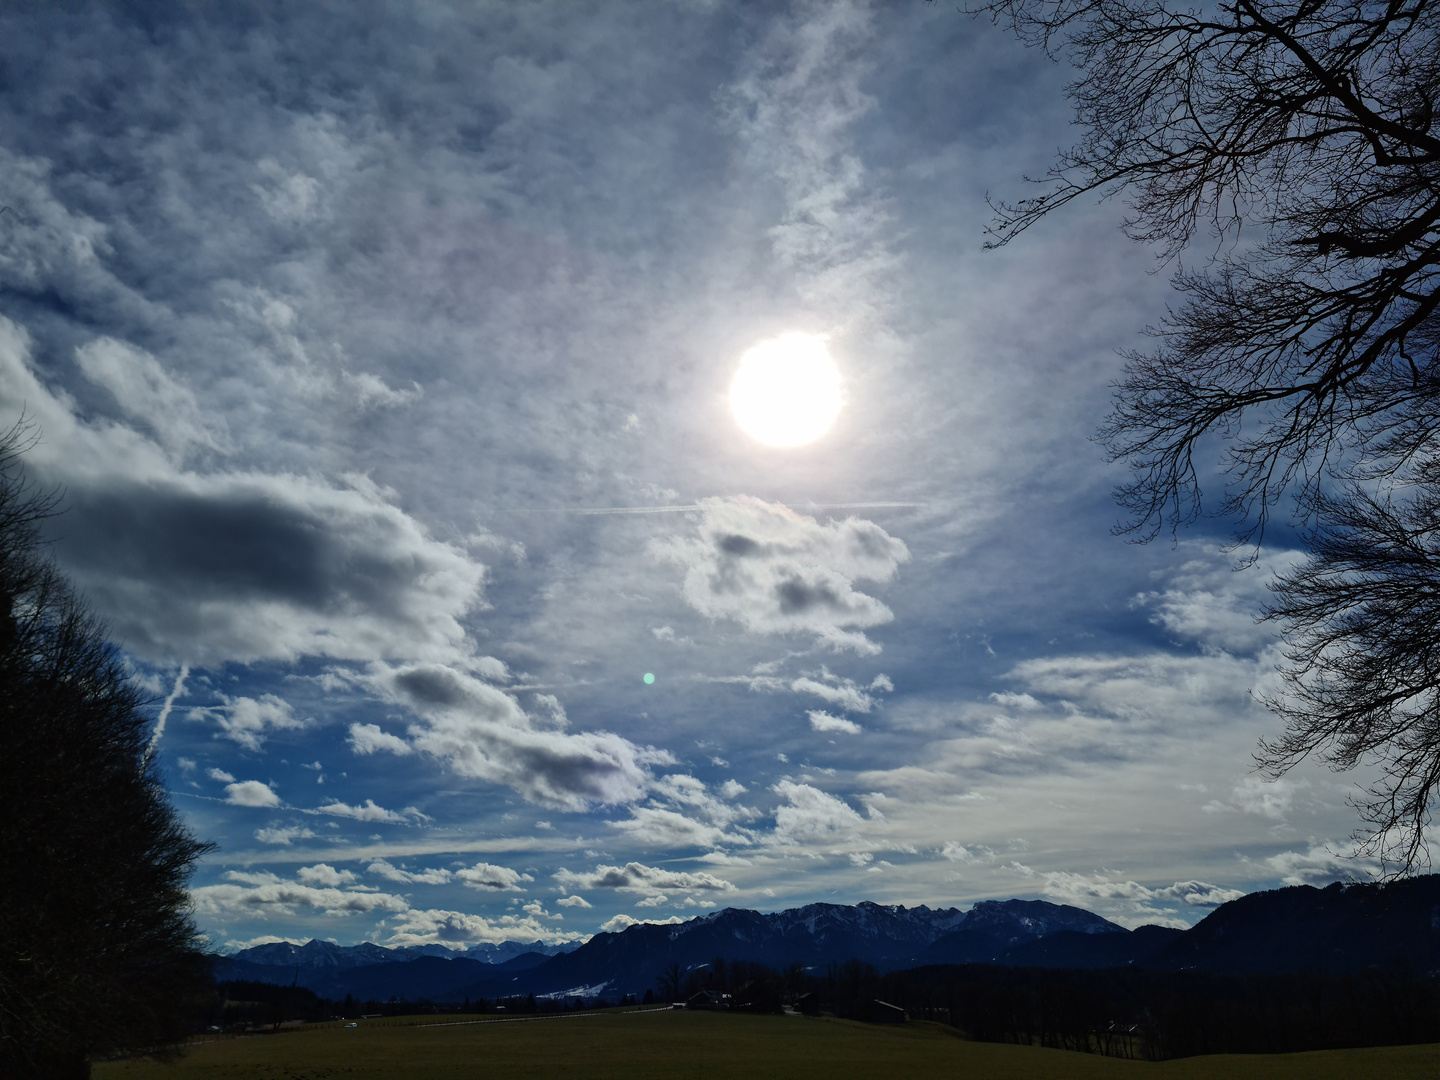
[
  {"x": 1209, "y": 601},
  {"x": 221, "y": 775},
  {"x": 574, "y": 901},
  {"x": 778, "y": 572},
  {"x": 383, "y": 868},
  {"x": 485, "y": 875},
  {"x": 251, "y": 793},
  {"x": 324, "y": 874},
  {"x": 840, "y": 692},
  {"x": 637, "y": 877},
  {"x": 823, "y": 721},
  {"x": 810, "y": 814},
  {"x": 481, "y": 731}
]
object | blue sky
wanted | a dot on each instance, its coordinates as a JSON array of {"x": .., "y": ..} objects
[{"x": 383, "y": 355}]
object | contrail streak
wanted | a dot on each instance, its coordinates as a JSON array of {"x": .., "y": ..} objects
[{"x": 178, "y": 689}]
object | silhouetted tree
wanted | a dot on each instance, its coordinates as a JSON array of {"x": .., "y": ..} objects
[
  {"x": 97, "y": 951},
  {"x": 1298, "y": 140}
]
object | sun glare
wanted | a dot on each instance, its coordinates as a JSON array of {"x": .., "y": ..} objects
[{"x": 787, "y": 391}]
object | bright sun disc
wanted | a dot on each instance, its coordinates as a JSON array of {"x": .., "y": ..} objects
[{"x": 787, "y": 391}]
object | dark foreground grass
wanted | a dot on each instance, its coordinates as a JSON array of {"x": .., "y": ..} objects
[{"x": 707, "y": 1046}]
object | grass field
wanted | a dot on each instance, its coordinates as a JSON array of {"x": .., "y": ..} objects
[{"x": 707, "y": 1046}]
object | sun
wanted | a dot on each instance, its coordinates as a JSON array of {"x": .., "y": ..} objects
[{"x": 787, "y": 391}]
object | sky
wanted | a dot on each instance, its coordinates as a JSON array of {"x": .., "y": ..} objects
[{"x": 383, "y": 354}]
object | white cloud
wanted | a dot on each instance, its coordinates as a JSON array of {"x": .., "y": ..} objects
[
  {"x": 368, "y": 738},
  {"x": 323, "y": 874},
  {"x": 811, "y": 814},
  {"x": 843, "y": 693},
  {"x": 485, "y": 875},
  {"x": 434, "y": 876},
  {"x": 183, "y": 563},
  {"x": 637, "y": 877},
  {"x": 658, "y": 900},
  {"x": 957, "y": 852},
  {"x": 624, "y": 922},
  {"x": 251, "y": 793},
  {"x": 823, "y": 721},
  {"x": 283, "y": 835},
  {"x": 778, "y": 572},
  {"x": 1321, "y": 862},
  {"x": 247, "y": 720},
  {"x": 482, "y": 732},
  {"x": 264, "y": 895},
  {"x": 1269, "y": 798},
  {"x": 1198, "y": 894},
  {"x": 437, "y": 926},
  {"x": 141, "y": 387},
  {"x": 574, "y": 901},
  {"x": 732, "y": 789},
  {"x": 220, "y": 775},
  {"x": 369, "y": 812}
]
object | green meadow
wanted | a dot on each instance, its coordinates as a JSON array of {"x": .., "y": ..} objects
[{"x": 664, "y": 1045}]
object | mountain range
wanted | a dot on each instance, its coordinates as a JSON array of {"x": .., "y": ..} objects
[{"x": 1342, "y": 928}]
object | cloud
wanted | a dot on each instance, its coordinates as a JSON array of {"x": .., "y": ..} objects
[
  {"x": 732, "y": 789},
  {"x": 221, "y": 775},
  {"x": 1209, "y": 601},
  {"x": 369, "y": 812},
  {"x": 436, "y": 926},
  {"x": 1198, "y": 894},
  {"x": 384, "y": 869},
  {"x": 618, "y": 923},
  {"x": 957, "y": 852},
  {"x": 283, "y": 835},
  {"x": 838, "y": 691},
  {"x": 246, "y": 720},
  {"x": 778, "y": 572},
  {"x": 574, "y": 901},
  {"x": 811, "y": 814},
  {"x": 324, "y": 874},
  {"x": 229, "y": 564},
  {"x": 655, "y": 828},
  {"x": 368, "y": 739},
  {"x": 637, "y": 877},
  {"x": 823, "y": 721},
  {"x": 1321, "y": 862},
  {"x": 251, "y": 793},
  {"x": 485, "y": 875},
  {"x": 1269, "y": 798},
  {"x": 264, "y": 895},
  {"x": 165, "y": 409},
  {"x": 482, "y": 732}
]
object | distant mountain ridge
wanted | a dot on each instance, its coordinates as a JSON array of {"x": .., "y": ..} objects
[
  {"x": 1339, "y": 929},
  {"x": 316, "y": 954}
]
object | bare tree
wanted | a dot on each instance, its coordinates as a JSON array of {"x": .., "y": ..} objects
[
  {"x": 97, "y": 950},
  {"x": 1297, "y": 141},
  {"x": 1361, "y": 620}
]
